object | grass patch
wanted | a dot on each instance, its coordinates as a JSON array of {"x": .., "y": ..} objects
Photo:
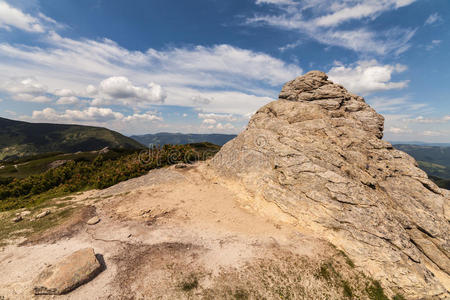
[
  {"x": 348, "y": 293},
  {"x": 327, "y": 272},
  {"x": 10, "y": 230},
  {"x": 375, "y": 291},
  {"x": 189, "y": 283},
  {"x": 398, "y": 297},
  {"x": 324, "y": 272},
  {"x": 347, "y": 259},
  {"x": 241, "y": 294}
]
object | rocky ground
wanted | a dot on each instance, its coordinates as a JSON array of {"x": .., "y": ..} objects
[{"x": 182, "y": 234}]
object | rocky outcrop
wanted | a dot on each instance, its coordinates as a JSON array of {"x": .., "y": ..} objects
[
  {"x": 318, "y": 154},
  {"x": 73, "y": 271}
]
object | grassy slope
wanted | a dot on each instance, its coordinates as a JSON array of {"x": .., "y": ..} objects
[{"x": 24, "y": 139}]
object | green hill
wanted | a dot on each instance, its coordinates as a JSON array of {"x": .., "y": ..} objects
[
  {"x": 19, "y": 139},
  {"x": 164, "y": 138}
]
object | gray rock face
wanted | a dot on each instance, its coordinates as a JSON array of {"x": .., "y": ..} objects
[
  {"x": 73, "y": 271},
  {"x": 317, "y": 153}
]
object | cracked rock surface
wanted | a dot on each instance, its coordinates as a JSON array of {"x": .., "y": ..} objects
[{"x": 317, "y": 153}]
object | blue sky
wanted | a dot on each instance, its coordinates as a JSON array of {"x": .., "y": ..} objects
[{"x": 207, "y": 65}]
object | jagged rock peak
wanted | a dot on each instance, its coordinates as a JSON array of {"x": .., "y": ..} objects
[
  {"x": 317, "y": 153},
  {"x": 312, "y": 86},
  {"x": 322, "y": 99},
  {"x": 306, "y": 83}
]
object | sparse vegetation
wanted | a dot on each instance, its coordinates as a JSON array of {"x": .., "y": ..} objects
[
  {"x": 376, "y": 292},
  {"x": 29, "y": 225},
  {"x": 347, "y": 259},
  {"x": 398, "y": 297},
  {"x": 347, "y": 289},
  {"x": 190, "y": 283},
  {"x": 279, "y": 278},
  {"x": 324, "y": 271},
  {"x": 240, "y": 294}
]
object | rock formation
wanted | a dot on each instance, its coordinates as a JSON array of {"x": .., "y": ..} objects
[
  {"x": 318, "y": 154},
  {"x": 73, "y": 271}
]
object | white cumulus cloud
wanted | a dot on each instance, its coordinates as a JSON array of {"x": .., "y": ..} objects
[
  {"x": 69, "y": 100},
  {"x": 214, "y": 116},
  {"x": 149, "y": 116},
  {"x": 93, "y": 114},
  {"x": 26, "y": 89},
  {"x": 366, "y": 77},
  {"x": 119, "y": 89},
  {"x": 209, "y": 121},
  {"x": 64, "y": 92}
]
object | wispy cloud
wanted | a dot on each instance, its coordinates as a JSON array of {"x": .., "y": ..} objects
[
  {"x": 433, "y": 18},
  {"x": 290, "y": 46},
  {"x": 323, "y": 21},
  {"x": 433, "y": 44}
]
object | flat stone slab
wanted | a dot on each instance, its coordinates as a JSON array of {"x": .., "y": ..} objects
[
  {"x": 93, "y": 220},
  {"x": 74, "y": 270}
]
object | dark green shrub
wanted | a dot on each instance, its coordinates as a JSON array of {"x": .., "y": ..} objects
[{"x": 376, "y": 292}]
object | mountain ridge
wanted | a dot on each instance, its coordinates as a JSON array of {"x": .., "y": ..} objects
[{"x": 19, "y": 138}]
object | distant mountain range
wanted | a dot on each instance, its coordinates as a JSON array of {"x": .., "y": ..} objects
[
  {"x": 417, "y": 143},
  {"x": 163, "y": 138},
  {"x": 19, "y": 139}
]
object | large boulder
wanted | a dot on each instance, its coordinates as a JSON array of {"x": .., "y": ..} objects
[
  {"x": 318, "y": 154},
  {"x": 68, "y": 274}
]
